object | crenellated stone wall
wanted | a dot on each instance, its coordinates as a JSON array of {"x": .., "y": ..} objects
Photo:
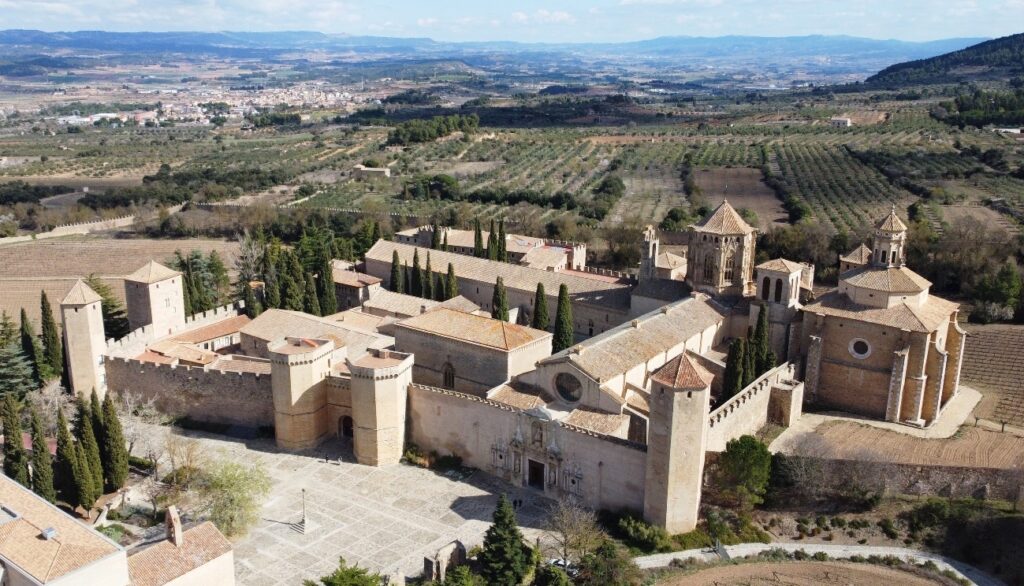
[{"x": 748, "y": 411}]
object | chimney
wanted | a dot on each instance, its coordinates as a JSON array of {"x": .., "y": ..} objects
[
  {"x": 173, "y": 520},
  {"x": 49, "y": 534}
]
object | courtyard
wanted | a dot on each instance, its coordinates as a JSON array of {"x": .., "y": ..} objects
[{"x": 383, "y": 519}]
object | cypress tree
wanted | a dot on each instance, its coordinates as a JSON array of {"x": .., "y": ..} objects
[
  {"x": 252, "y": 304},
  {"x": 15, "y": 459},
  {"x": 52, "y": 344},
  {"x": 441, "y": 287},
  {"x": 492, "y": 243},
  {"x": 116, "y": 462},
  {"x": 396, "y": 273},
  {"x": 328, "y": 296},
  {"x": 444, "y": 245},
  {"x": 504, "y": 560},
  {"x": 90, "y": 450},
  {"x": 310, "y": 302},
  {"x": 375, "y": 234},
  {"x": 540, "y": 309},
  {"x": 499, "y": 301},
  {"x": 416, "y": 285},
  {"x": 564, "y": 336},
  {"x": 30, "y": 348},
  {"x": 65, "y": 465},
  {"x": 272, "y": 290},
  {"x": 452, "y": 282},
  {"x": 428, "y": 280},
  {"x": 292, "y": 296},
  {"x": 86, "y": 492},
  {"x": 406, "y": 279},
  {"x": 435, "y": 236},
  {"x": 764, "y": 359},
  {"x": 99, "y": 429},
  {"x": 478, "y": 240},
  {"x": 502, "y": 244},
  {"x": 732, "y": 380},
  {"x": 42, "y": 466},
  {"x": 749, "y": 363}
]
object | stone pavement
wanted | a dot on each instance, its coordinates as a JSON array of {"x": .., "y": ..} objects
[
  {"x": 384, "y": 519},
  {"x": 973, "y": 574}
]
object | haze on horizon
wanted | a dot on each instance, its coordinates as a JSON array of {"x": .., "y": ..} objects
[{"x": 532, "y": 20}]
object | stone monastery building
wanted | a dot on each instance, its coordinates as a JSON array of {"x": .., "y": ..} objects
[{"x": 622, "y": 419}]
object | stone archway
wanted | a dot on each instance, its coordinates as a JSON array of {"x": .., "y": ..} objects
[{"x": 345, "y": 427}]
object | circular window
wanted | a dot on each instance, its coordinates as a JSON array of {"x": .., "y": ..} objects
[
  {"x": 568, "y": 387},
  {"x": 860, "y": 348}
]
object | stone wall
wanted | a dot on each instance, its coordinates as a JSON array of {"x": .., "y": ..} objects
[
  {"x": 603, "y": 471},
  {"x": 136, "y": 341},
  {"x": 198, "y": 393},
  {"x": 747, "y": 412}
]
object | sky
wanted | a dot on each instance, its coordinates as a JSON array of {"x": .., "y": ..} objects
[{"x": 533, "y": 20}]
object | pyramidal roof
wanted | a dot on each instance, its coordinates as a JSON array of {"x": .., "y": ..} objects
[
  {"x": 152, "y": 272},
  {"x": 781, "y": 265},
  {"x": 724, "y": 220},
  {"x": 682, "y": 372},
  {"x": 861, "y": 255},
  {"x": 81, "y": 294},
  {"x": 892, "y": 222}
]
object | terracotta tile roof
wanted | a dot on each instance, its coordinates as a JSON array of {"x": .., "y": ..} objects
[
  {"x": 781, "y": 265},
  {"x": 928, "y": 317},
  {"x": 224, "y": 327},
  {"x": 543, "y": 257},
  {"x": 638, "y": 399},
  {"x": 155, "y": 358},
  {"x": 597, "y": 421},
  {"x": 623, "y": 347},
  {"x": 460, "y": 303},
  {"x": 74, "y": 546},
  {"x": 520, "y": 278},
  {"x": 273, "y": 324},
  {"x": 241, "y": 364},
  {"x": 520, "y": 396},
  {"x": 724, "y": 220},
  {"x": 397, "y": 304},
  {"x": 667, "y": 260},
  {"x": 474, "y": 329},
  {"x": 80, "y": 294},
  {"x": 152, "y": 272},
  {"x": 162, "y": 562},
  {"x": 892, "y": 222},
  {"x": 172, "y": 349},
  {"x": 860, "y": 255},
  {"x": 887, "y": 279},
  {"x": 357, "y": 319},
  {"x": 355, "y": 279},
  {"x": 682, "y": 372}
]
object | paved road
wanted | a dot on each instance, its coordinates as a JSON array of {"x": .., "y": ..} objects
[{"x": 969, "y": 572}]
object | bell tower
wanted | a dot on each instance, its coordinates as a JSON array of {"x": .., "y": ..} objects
[
  {"x": 649, "y": 254},
  {"x": 890, "y": 242}
]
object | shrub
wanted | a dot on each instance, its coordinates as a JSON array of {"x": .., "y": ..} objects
[
  {"x": 820, "y": 556},
  {"x": 800, "y": 555},
  {"x": 889, "y": 528},
  {"x": 643, "y": 535},
  {"x": 143, "y": 464}
]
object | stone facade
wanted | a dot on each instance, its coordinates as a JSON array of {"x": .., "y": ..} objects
[
  {"x": 720, "y": 254},
  {"x": 82, "y": 320}
]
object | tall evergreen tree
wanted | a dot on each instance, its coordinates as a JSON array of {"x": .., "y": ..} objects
[
  {"x": 115, "y": 320},
  {"x": 15, "y": 371},
  {"x": 478, "y": 239},
  {"x": 444, "y": 244},
  {"x": 540, "y": 309},
  {"x": 272, "y": 289},
  {"x": 328, "y": 296},
  {"x": 502, "y": 243},
  {"x": 428, "y": 280},
  {"x": 452, "y": 283},
  {"x": 492, "y": 243},
  {"x": 749, "y": 362},
  {"x": 311, "y": 303},
  {"x": 220, "y": 283},
  {"x": 732, "y": 381},
  {"x": 252, "y": 305},
  {"x": 435, "y": 236},
  {"x": 116, "y": 462},
  {"x": 31, "y": 349},
  {"x": 86, "y": 491},
  {"x": 292, "y": 296},
  {"x": 90, "y": 450},
  {"x": 504, "y": 560},
  {"x": 406, "y": 279},
  {"x": 441, "y": 287},
  {"x": 564, "y": 336},
  {"x": 396, "y": 273},
  {"x": 42, "y": 465},
  {"x": 8, "y": 332},
  {"x": 416, "y": 285},
  {"x": 65, "y": 465},
  {"x": 53, "y": 346},
  {"x": 99, "y": 430},
  {"x": 15, "y": 459},
  {"x": 764, "y": 358},
  {"x": 499, "y": 301}
]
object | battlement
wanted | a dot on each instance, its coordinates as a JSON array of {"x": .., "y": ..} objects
[
  {"x": 135, "y": 342},
  {"x": 761, "y": 384},
  {"x": 608, "y": 273},
  {"x": 144, "y": 366}
]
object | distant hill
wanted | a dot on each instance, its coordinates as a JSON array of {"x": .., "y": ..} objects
[{"x": 996, "y": 59}]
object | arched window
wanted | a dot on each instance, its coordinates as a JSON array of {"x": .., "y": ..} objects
[
  {"x": 449, "y": 376},
  {"x": 766, "y": 287},
  {"x": 730, "y": 269},
  {"x": 590, "y": 327},
  {"x": 778, "y": 290},
  {"x": 709, "y": 269}
]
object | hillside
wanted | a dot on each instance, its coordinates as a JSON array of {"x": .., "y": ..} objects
[{"x": 991, "y": 60}]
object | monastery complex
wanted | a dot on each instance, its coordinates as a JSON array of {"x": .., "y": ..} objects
[{"x": 621, "y": 419}]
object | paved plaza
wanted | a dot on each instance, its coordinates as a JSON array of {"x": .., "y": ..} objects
[{"x": 384, "y": 519}]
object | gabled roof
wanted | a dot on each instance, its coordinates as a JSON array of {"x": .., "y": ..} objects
[
  {"x": 81, "y": 294},
  {"x": 474, "y": 329},
  {"x": 152, "y": 272},
  {"x": 781, "y": 265},
  {"x": 860, "y": 255},
  {"x": 682, "y": 372},
  {"x": 892, "y": 222},
  {"x": 724, "y": 220},
  {"x": 163, "y": 561}
]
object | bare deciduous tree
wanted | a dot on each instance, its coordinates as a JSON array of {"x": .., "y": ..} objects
[
  {"x": 47, "y": 401},
  {"x": 136, "y": 414},
  {"x": 186, "y": 456},
  {"x": 573, "y": 530},
  {"x": 249, "y": 259}
]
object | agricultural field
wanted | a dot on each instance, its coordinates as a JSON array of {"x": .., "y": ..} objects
[
  {"x": 743, "y": 188},
  {"x": 55, "y": 264},
  {"x": 992, "y": 365},
  {"x": 798, "y": 574}
]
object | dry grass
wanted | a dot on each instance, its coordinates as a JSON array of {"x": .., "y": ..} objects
[{"x": 799, "y": 574}]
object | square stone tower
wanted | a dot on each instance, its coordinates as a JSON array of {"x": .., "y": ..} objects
[
  {"x": 154, "y": 296},
  {"x": 720, "y": 254},
  {"x": 380, "y": 381},
  {"x": 82, "y": 319},
  {"x": 298, "y": 373},
  {"x": 676, "y": 442}
]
